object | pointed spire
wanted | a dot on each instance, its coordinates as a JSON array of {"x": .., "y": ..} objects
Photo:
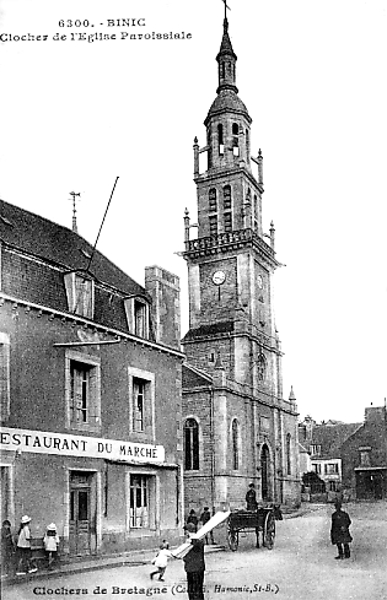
[
  {"x": 226, "y": 46},
  {"x": 292, "y": 396},
  {"x": 226, "y": 59}
]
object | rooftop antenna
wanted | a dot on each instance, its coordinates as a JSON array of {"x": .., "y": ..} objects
[
  {"x": 74, "y": 223},
  {"x": 103, "y": 221}
]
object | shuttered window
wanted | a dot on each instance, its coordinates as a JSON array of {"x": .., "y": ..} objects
[
  {"x": 80, "y": 294},
  {"x": 83, "y": 390},
  {"x": 5, "y": 398}
]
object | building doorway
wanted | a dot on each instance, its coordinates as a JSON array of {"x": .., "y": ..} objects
[
  {"x": 265, "y": 458},
  {"x": 5, "y": 494},
  {"x": 82, "y": 529},
  {"x": 369, "y": 485}
]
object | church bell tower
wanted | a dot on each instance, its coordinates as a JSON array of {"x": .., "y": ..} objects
[
  {"x": 238, "y": 428},
  {"x": 231, "y": 262}
]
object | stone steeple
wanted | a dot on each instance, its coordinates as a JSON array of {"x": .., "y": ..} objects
[
  {"x": 227, "y": 62},
  {"x": 251, "y": 430}
]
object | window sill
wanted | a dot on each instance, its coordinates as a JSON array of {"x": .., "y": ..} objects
[{"x": 85, "y": 428}]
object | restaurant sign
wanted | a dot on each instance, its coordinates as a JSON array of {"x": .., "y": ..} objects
[{"x": 44, "y": 442}]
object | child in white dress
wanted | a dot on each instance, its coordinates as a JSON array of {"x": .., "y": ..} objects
[
  {"x": 51, "y": 543},
  {"x": 161, "y": 560}
]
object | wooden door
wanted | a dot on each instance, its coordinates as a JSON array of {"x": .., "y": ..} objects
[{"x": 80, "y": 516}]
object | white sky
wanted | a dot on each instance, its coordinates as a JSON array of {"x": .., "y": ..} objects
[{"x": 312, "y": 73}]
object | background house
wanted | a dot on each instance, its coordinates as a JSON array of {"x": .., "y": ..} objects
[
  {"x": 364, "y": 456},
  {"x": 324, "y": 442}
]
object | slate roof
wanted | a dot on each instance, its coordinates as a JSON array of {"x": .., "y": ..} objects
[
  {"x": 60, "y": 246},
  {"x": 192, "y": 377},
  {"x": 227, "y": 100},
  {"x": 208, "y": 330},
  {"x": 226, "y": 46},
  {"x": 331, "y": 438}
]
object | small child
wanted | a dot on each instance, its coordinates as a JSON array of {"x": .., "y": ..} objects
[
  {"x": 24, "y": 555},
  {"x": 7, "y": 548},
  {"x": 51, "y": 543},
  {"x": 161, "y": 560}
]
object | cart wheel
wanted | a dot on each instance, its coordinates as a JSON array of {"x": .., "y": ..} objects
[
  {"x": 269, "y": 531},
  {"x": 232, "y": 537}
]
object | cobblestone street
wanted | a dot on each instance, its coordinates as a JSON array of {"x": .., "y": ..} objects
[{"x": 301, "y": 566}]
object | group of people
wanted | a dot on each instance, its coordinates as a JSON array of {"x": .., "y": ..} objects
[
  {"x": 17, "y": 557},
  {"x": 197, "y": 522},
  {"x": 194, "y": 564}
]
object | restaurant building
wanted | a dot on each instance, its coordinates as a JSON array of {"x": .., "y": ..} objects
[{"x": 89, "y": 379}]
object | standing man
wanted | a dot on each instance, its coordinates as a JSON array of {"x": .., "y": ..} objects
[
  {"x": 340, "y": 531},
  {"x": 251, "y": 498},
  {"x": 194, "y": 566},
  {"x": 204, "y": 518},
  {"x": 192, "y": 518}
]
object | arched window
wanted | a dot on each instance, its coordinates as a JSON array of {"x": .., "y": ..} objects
[
  {"x": 209, "y": 153},
  {"x": 213, "y": 222},
  {"x": 235, "y": 444},
  {"x": 191, "y": 445},
  {"x": 227, "y": 197},
  {"x": 288, "y": 454},
  {"x": 220, "y": 139},
  {"x": 235, "y": 140},
  {"x": 248, "y": 204},
  {"x": 248, "y": 144},
  {"x": 212, "y": 200},
  {"x": 255, "y": 211},
  {"x": 227, "y": 214},
  {"x": 265, "y": 472},
  {"x": 261, "y": 366}
]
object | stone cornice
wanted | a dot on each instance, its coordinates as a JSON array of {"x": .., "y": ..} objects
[
  {"x": 266, "y": 341},
  {"x": 72, "y": 318},
  {"x": 231, "y": 387},
  {"x": 233, "y": 240},
  {"x": 228, "y": 174}
]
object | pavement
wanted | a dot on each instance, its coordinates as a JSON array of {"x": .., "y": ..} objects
[
  {"x": 68, "y": 566},
  {"x": 78, "y": 564}
]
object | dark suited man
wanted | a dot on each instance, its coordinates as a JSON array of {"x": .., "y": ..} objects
[
  {"x": 251, "y": 498},
  {"x": 340, "y": 531},
  {"x": 194, "y": 566}
]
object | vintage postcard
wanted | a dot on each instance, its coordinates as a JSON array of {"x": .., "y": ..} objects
[{"x": 192, "y": 299}]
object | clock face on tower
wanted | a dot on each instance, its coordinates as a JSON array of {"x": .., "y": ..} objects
[{"x": 219, "y": 277}]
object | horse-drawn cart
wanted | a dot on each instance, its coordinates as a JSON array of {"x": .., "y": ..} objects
[{"x": 261, "y": 521}]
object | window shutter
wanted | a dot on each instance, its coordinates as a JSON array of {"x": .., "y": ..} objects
[
  {"x": 4, "y": 381},
  {"x": 69, "y": 286}
]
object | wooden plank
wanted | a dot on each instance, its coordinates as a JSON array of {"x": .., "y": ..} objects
[{"x": 216, "y": 520}]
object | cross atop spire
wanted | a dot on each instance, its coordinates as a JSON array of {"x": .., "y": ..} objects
[
  {"x": 226, "y": 58},
  {"x": 225, "y": 9}
]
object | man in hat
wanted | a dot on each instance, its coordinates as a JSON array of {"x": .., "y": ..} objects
[
  {"x": 194, "y": 565},
  {"x": 340, "y": 531},
  {"x": 251, "y": 498},
  {"x": 204, "y": 518}
]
